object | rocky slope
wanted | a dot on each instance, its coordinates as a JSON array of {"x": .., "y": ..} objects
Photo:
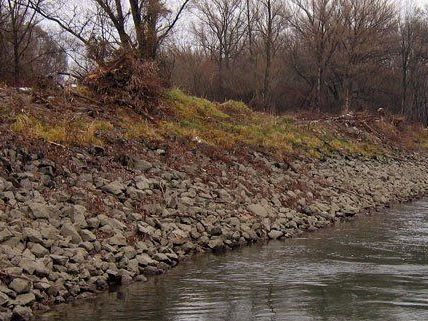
[
  {"x": 94, "y": 194},
  {"x": 72, "y": 225}
]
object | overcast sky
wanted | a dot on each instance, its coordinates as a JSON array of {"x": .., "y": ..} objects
[{"x": 419, "y": 2}]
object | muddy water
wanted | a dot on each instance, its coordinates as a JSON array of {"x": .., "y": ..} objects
[{"x": 375, "y": 268}]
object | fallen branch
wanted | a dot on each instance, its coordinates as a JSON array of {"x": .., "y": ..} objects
[
  {"x": 56, "y": 144},
  {"x": 138, "y": 110},
  {"x": 85, "y": 97}
]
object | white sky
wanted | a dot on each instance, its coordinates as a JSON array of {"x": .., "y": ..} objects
[
  {"x": 421, "y": 3},
  {"x": 424, "y": 2}
]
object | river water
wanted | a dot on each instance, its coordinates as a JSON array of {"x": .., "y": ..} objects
[{"x": 374, "y": 268}]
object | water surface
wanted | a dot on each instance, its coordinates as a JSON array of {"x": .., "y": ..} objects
[{"x": 374, "y": 268}]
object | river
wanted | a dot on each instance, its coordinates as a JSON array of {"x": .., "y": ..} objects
[{"x": 373, "y": 268}]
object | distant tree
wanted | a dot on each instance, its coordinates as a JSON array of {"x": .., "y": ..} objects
[
  {"x": 18, "y": 32},
  {"x": 271, "y": 23},
  {"x": 413, "y": 46},
  {"x": 319, "y": 34},
  {"x": 368, "y": 30},
  {"x": 220, "y": 31},
  {"x": 26, "y": 50}
]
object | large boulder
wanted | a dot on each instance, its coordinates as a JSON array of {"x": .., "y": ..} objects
[
  {"x": 274, "y": 234},
  {"x": 115, "y": 188},
  {"x": 258, "y": 210},
  {"x": 25, "y": 299},
  {"x": 40, "y": 210},
  {"x": 69, "y": 231},
  {"x": 20, "y": 285},
  {"x": 32, "y": 235}
]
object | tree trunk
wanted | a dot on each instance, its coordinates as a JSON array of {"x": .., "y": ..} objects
[
  {"x": 268, "y": 53},
  {"x": 220, "y": 94},
  {"x": 151, "y": 36},
  {"x": 404, "y": 86},
  {"x": 16, "y": 62},
  {"x": 346, "y": 104},
  {"x": 319, "y": 84}
]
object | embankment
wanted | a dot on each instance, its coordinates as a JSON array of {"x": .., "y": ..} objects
[
  {"x": 67, "y": 234},
  {"x": 94, "y": 195}
]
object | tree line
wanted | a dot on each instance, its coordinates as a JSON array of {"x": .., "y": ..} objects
[{"x": 315, "y": 56}]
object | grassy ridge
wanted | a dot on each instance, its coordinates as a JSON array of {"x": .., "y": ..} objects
[{"x": 225, "y": 126}]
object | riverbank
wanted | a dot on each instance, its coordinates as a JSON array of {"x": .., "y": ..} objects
[
  {"x": 375, "y": 261},
  {"x": 75, "y": 241},
  {"x": 76, "y": 219}
]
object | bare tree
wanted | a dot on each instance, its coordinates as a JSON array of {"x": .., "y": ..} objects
[
  {"x": 26, "y": 50},
  {"x": 271, "y": 23},
  {"x": 140, "y": 25},
  {"x": 411, "y": 48},
  {"x": 326, "y": 55},
  {"x": 21, "y": 22},
  {"x": 317, "y": 24},
  {"x": 220, "y": 31},
  {"x": 369, "y": 26}
]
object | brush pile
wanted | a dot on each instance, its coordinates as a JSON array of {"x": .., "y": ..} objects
[{"x": 128, "y": 81}]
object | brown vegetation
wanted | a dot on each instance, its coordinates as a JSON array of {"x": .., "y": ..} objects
[
  {"x": 308, "y": 55},
  {"x": 68, "y": 120},
  {"x": 317, "y": 56},
  {"x": 127, "y": 81}
]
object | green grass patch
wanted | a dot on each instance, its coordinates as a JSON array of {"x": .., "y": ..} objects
[{"x": 225, "y": 125}]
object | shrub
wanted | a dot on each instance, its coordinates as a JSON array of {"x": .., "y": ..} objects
[{"x": 127, "y": 81}]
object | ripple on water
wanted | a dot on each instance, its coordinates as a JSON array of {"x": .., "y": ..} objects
[{"x": 375, "y": 268}]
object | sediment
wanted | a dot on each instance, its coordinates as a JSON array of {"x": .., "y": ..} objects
[{"x": 70, "y": 229}]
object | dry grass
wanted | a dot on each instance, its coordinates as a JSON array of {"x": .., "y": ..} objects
[
  {"x": 232, "y": 123},
  {"x": 139, "y": 129},
  {"x": 70, "y": 133},
  {"x": 224, "y": 126}
]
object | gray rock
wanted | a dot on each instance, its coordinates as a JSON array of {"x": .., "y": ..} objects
[
  {"x": 118, "y": 239},
  {"x": 59, "y": 259},
  {"x": 179, "y": 237},
  {"x": 129, "y": 252},
  {"x": 142, "y": 165},
  {"x": 39, "y": 210},
  {"x": 258, "y": 210},
  {"x": 25, "y": 299},
  {"x": 5, "y": 316},
  {"x": 115, "y": 188},
  {"x": 77, "y": 214},
  {"x": 216, "y": 244},
  {"x": 5, "y": 235},
  {"x": 34, "y": 267},
  {"x": 145, "y": 260},
  {"x": 146, "y": 229},
  {"x": 215, "y": 231},
  {"x": 88, "y": 246},
  {"x": 20, "y": 286},
  {"x": 32, "y": 235},
  {"x": 39, "y": 250},
  {"x": 69, "y": 231},
  {"x": 21, "y": 313},
  {"x": 88, "y": 236},
  {"x": 4, "y": 299},
  {"x": 93, "y": 222},
  {"x": 274, "y": 234},
  {"x": 161, "y": 257},
  {"x": 138, "y": 278},
  {"x": 113, "y": 222},
  {"x": 44, "y": 285},
  {"x": 142, "y": 183}
]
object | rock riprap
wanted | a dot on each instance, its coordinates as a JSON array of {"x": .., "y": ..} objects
[{"x": 70, "y": 231}]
